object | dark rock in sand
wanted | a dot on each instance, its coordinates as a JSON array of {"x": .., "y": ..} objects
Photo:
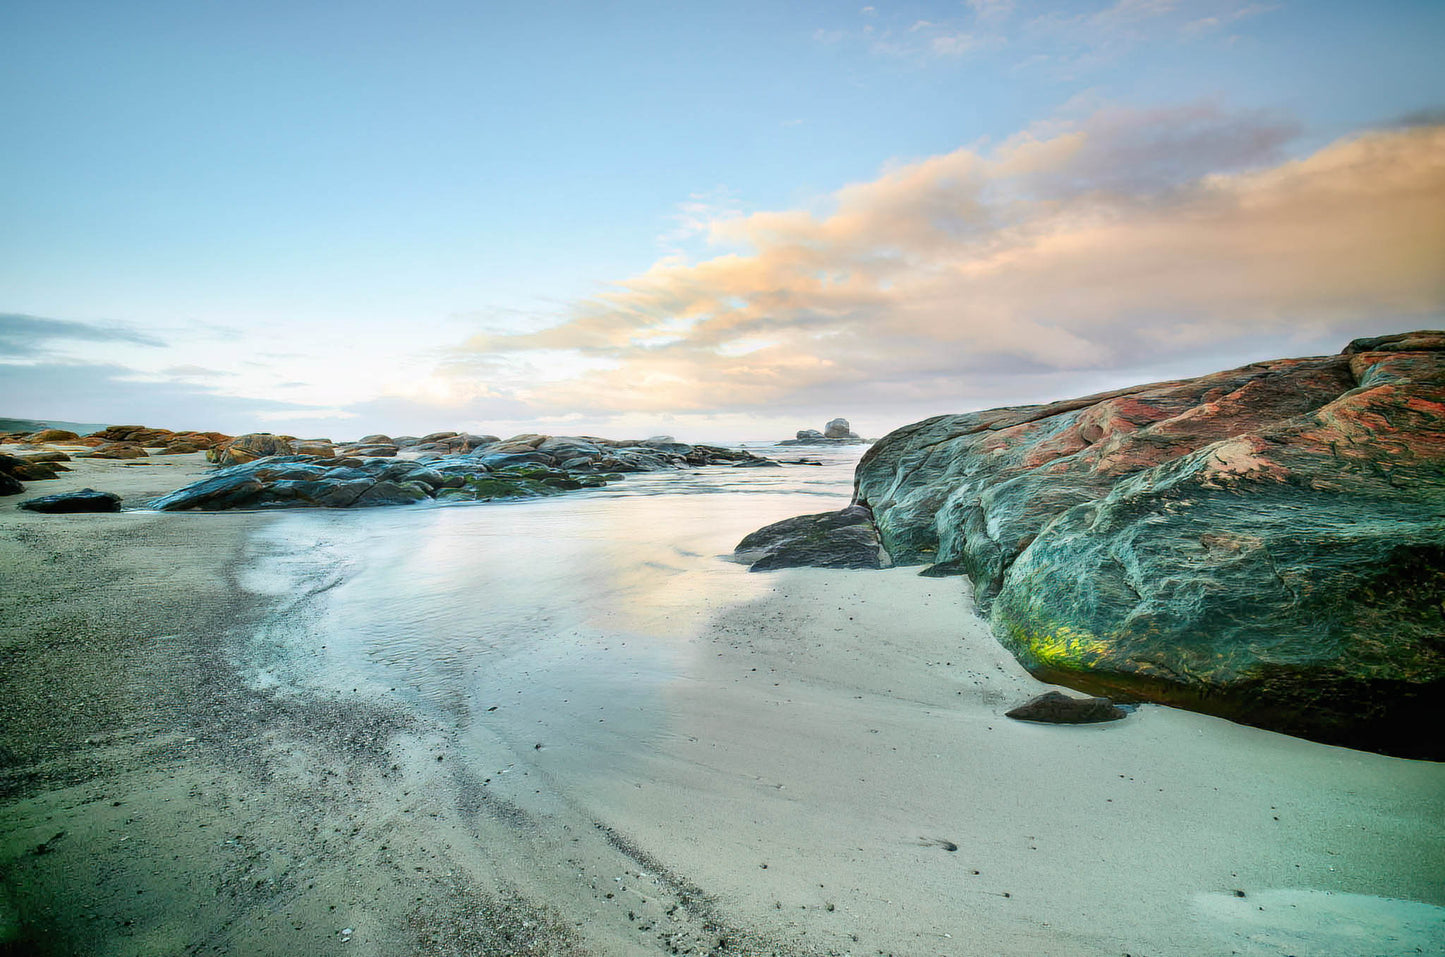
[
  {"x": 1055, "y": 707},
  {"x": 1266, "y": 543},
  {"x": 86, "y": 500},
  {"x": 841, "y": 539},
  {"x": 10, "y": 485}
]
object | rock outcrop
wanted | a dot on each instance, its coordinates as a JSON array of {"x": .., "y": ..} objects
[
  {"x": 836, "y": 432},
  {"x": 1266, "y": 543}
]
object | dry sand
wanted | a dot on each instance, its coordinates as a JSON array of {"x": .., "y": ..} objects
[{"x": 832, "y": 774}]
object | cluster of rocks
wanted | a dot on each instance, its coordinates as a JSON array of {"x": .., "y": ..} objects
[
  {"x": 270, "y": 471},
  {"x": 836, "y": 432},
  {"x": 1266, "y": 543},
  {"x": 120, "y": 441},
  {"x": 248, "y": 448},
  {"x": 587, "y": 453},
  {"x": 445, "y": 466}
]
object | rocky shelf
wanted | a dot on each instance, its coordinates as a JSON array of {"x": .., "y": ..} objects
[{"x": 261, "y": 470}]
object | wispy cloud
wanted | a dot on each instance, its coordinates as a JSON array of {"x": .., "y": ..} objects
[
  {"x": 1075, "y": 43},
  {"x": 1090, "y": 244},
  {"x": 1070, "y": 42},
  {"x": 23, "y": 336},
  {"x": 991, "y": 10},
  {"x": 921, "y": 41}
]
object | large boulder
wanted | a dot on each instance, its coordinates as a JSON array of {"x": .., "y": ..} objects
[
  {"x": 842, "y": 539},
  {"x": 838, "y": 429},
  {"x": 1266, "y": 543},
  {"x": 249, "y": 448}
]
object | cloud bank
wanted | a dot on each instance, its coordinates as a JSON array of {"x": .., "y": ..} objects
[{"x": 1122, "y": 240}]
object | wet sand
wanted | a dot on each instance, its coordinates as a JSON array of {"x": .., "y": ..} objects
[{"x": 820, "y": 766}]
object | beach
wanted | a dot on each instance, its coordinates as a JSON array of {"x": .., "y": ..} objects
[{"x": 573, "y": 727}]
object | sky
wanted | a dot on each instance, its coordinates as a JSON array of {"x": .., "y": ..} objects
[{"x": 719, "y": 221}]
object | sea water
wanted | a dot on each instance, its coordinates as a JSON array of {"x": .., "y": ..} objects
[
  {"x": 558, "y": 613},
  {"x": 586, "y": 626}
]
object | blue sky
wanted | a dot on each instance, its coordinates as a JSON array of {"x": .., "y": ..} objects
[{"x": 716, "y": 220}]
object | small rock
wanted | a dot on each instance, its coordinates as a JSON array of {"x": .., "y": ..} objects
[
  {"x": 842, "y": 539},
  {"x": 1055, "y": 707}
]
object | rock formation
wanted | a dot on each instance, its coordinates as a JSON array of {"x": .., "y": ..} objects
[
  {"x": 836, "y": 432},
  {"x": 1266, "y": 543},
  {"x": 523, "y": 466}
]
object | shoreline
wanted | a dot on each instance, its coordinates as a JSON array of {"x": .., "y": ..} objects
[{"x": 853, "y": 757}]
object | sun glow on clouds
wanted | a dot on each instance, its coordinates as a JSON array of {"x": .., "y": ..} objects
[{"x": 1090, "y": 244}]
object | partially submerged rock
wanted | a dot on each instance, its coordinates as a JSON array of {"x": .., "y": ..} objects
[
  {"x": 841, "y": 539},
  {"x": 1055, "y": 707},
  {"x": 86, "y": 500}
]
